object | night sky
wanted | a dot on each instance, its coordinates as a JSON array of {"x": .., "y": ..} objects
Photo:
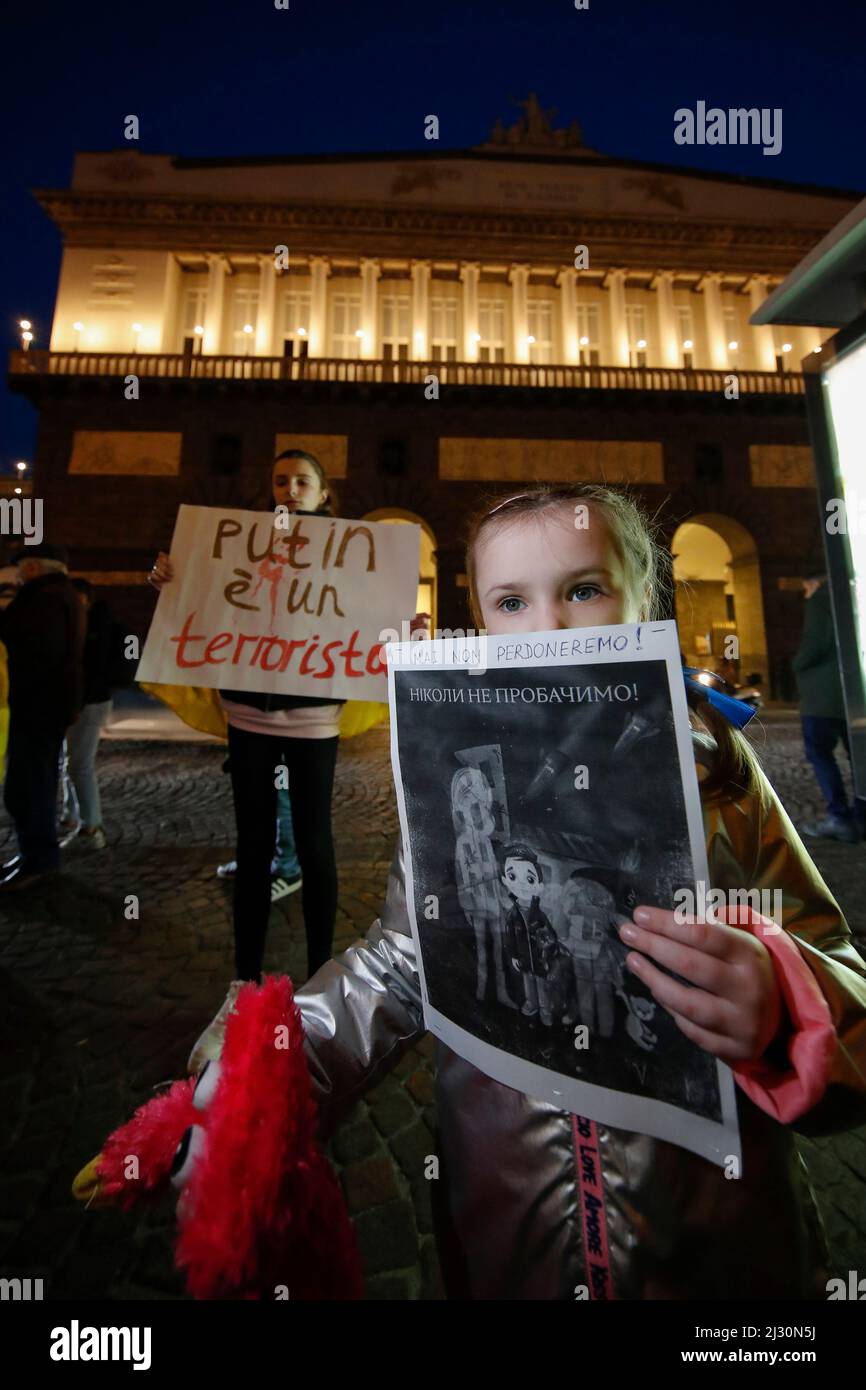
[{"x": 329, "y": 76}]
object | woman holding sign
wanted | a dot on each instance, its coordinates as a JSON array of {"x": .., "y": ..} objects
[{"x": 278, "y": 741}]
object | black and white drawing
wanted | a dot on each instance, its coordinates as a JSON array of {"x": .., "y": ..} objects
[{"x": 540, "y": 802}]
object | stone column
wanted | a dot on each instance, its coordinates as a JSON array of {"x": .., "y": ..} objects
[
  {"x": 170, "y": 305},
  {"x": 267, "y": 300},
  {"x": 469, "y": 274},
  {"x": 569, "y": 340},
  {"x": 762, "y": 334},
  {"x": 420, "y": 310},
  {"x": 667, "y": 320},
  {"x": 320, "y": 269},
  {"x": 519, "y": 277},
  {"x": 214, "y": 304},
  {"x": 717, "y": 348},
  {"x": 370, "y": 272},
  {"x": 618, "y": 326}
]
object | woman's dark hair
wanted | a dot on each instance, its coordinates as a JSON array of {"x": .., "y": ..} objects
[{"x": 327, "y": 507}]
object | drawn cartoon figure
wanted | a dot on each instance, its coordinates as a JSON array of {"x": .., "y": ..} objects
[
  {"x": 589, "y": 913},
  {"x": 640, "y": 1011},
  {"x": 530, "y": 940},
  {"x": 477, "y": 872}
]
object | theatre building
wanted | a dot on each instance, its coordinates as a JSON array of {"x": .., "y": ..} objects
[{"x": 436, "y": 326}]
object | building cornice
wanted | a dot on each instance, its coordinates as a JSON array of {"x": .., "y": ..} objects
[
  {"x": 165, "y": 222},
  {"x": 554, "y": 159}
]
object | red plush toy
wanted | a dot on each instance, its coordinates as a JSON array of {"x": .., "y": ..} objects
[{"x": 261, "y": 1213}]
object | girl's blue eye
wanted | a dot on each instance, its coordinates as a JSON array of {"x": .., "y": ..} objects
[
  {"x": 590, "y": 589},
  {"x": 503, "y": 608}
]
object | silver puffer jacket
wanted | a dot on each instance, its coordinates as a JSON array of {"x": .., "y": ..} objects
[{"x": 507, "y": 1203}]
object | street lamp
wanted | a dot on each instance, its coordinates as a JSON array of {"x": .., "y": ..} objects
[
  {"x": 248, "y": 334},
  {"x": 79, "y": 329},
  {"x": 136, "y": 330},
  {"x": 641, "y": 344},
  {"x": 733, "y": 345},
  {"x": 26, "y": 336}
]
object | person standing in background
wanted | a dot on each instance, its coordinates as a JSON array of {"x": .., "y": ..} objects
[
  {"x": 822, "y": 716},
  {"x": 82, "y": 738},
  {"x": 285, "y": 868},
  {"x": 43, "y": 629}
]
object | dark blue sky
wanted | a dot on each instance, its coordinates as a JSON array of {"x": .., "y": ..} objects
[{"x": 222, "y": 78}]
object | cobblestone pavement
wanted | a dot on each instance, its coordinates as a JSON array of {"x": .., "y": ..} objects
[{"x": 97, "y": 1009}]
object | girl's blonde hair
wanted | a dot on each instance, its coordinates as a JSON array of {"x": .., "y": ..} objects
[{"x": 736, "y": 771}]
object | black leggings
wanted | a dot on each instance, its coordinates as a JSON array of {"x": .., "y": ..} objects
[{"x": 255, "y": 759}]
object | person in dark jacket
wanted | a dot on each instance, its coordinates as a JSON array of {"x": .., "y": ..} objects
[
  {"x": 43, "y": 629},
  {"x": 530, "y": 941},
  {"x": 82, "y": 738},
  {"x": 822, "y": 715}
]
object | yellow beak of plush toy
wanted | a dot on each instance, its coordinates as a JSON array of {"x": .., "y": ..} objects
[{"x": 87, "y": 1186}]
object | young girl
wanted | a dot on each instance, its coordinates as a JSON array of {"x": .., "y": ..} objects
[
  {"x": 786, "y": 1012},
  {"x": 264, "y": 731}
]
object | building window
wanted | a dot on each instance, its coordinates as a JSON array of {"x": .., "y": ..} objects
[
  {"x": 587, "y": 334},
  {"x": 635, "y": 322},
  {"x": 686, "y": 332},
  {"x": 192, "y": 313},
  {"x": 443, "y": 330},
  {"x": 345, "y": 325},
  {"x": 245, "y": 308},
  {"x": 540, "y": 319},
  {"x": 491, "y": 330},
  {"x": 395, "y": 325},
  {"x": 295, "y": 322}
]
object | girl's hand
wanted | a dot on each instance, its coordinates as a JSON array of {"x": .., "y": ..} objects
[
  {"x": 419, "y": 622},
  {"x": 162, "y": 572},
  {"x": 732, "y": 1005}
]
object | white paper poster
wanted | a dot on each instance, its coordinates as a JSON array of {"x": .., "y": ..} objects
[
  {"x": 547, "y": 786},
  {"x": 281, "y": 603}
]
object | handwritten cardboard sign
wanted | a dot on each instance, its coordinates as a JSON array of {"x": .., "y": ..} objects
[{"x": 281, "y": 603}]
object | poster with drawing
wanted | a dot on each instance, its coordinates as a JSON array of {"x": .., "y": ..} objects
[
  {"x": 546, "y": 786},
  {"x": 281, "y": 603}
]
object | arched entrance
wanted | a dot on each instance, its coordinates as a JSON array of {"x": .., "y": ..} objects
[
  {"x": 717, "y": 579},
  {"x": 426, "y": 602}
]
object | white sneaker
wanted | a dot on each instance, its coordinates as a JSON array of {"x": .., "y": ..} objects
[
  {"x": 210, "y": 1043},
  {"x": 282, "y": 886}
]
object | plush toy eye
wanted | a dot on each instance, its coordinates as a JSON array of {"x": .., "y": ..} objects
[
  {"x": 188, "y": 1153},
  {"x": 205, "y": 1087}
]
